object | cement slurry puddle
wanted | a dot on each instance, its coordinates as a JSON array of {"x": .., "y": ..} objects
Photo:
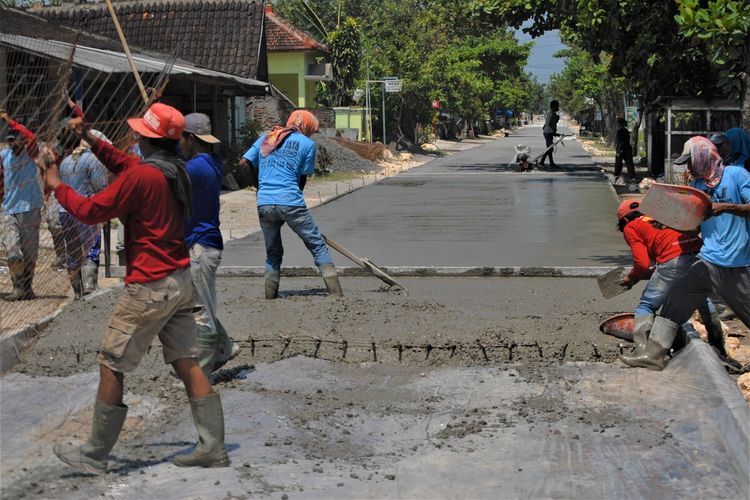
[{"x": 438, "y": 426}]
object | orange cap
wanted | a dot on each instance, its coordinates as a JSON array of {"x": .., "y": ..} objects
[
  {"x": 628, "y": 206},
  {"x": 159, "y": 122}
]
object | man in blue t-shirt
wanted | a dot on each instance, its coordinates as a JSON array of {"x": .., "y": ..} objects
[
  {"x": 22, "y": 204},
  {"x": 283, "y": 158},
  {"x": 204, "y": 241},
  {"x": 723, "y": 264}
]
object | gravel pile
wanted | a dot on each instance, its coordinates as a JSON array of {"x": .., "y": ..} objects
[{"x": 337, "y": 158}]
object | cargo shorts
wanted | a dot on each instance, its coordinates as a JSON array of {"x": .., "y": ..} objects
[{"x": 145, "y": 310}]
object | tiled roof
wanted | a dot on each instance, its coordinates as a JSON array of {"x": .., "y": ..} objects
[
  {"x": 222, "y": 35},
  {"x": 283, "y": 36}
]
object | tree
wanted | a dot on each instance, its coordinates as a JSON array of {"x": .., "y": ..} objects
[
  {"x": 345, "y": 46},
  {"x": 641, "y": 37},
  {"x": 724, "y": 27}
]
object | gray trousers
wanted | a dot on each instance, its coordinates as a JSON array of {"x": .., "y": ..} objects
[
  {"x": 22, "y": 236},
  {"x": 701, "y": 279},
  {"x": 204, "y": 261}
]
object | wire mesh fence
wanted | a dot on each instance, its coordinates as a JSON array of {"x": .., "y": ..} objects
[{"x": 45, "y": 253}]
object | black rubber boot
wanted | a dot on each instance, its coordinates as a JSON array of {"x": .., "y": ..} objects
[
  {"x": 331, "y": 278},
  {"x": 209, "y": 421},
  {"x": 716, "y": 334},
  {"x": 91, "y": 457},
  {"x": 659, "y": 342},
  {"x": 272, "y": 284}
]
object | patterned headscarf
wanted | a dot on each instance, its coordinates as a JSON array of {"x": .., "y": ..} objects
[
  {"x": 299, "y": 121},
  {"x": 706, "y": 161},
  {"x": 740, "y": 141}
]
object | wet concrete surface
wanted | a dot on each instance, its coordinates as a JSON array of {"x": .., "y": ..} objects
[
  {"x": 469, "y": 209},
  {"x": 513, "y": 318},
  {"x": 310, "y": 428}
]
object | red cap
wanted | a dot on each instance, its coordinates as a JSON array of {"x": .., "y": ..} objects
[
  {"x": 628, "y": 206},
  {"x": 159, "y": 122}
]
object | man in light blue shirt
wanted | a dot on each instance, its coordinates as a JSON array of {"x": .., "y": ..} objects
[
  {"x": 22, "y": 203},
  {"x": 283, "y": 158},
  {"x": 82, "y": 171},
  {"x": 723, "y": 264}
]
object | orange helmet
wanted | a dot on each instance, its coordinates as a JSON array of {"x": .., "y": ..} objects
[{"x": 628, "y": 206}]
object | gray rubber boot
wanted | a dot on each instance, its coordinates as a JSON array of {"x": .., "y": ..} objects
[
  {"x": 77, "y": 283},
  {"x": 226, "y": 350},
  {"x": 641, "y": 329},
  {"x": 272, "y": 284},
  {"x": 716, "y": 334},
  {"x": 90, "y": 276},
  {"x": 207, "y": 345},
  {"x": 209, "y": 421},
  {"x": 91, "y": 457},
  {"x": 15, "y": 269},
  {"x": 331, "y": 278},
  {"x": 659, "y": 342}
]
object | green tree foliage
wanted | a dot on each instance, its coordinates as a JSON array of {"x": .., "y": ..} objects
[
  {"x": 345, "y": 46},
  {"x": 470, "y": 65},
  {"x": 640, "y": 38},
  {"x": 723, "y": 26}
]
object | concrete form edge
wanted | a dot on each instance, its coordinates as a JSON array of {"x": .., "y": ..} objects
[
  {"x": 735, "y": 433},
  {"x": 14, "y": 342},
  {"x": 416, "y": 271}
]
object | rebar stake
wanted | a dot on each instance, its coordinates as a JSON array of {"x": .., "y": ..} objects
[
  {"x": 344, "y": 347},
  {"x": 317, "y": 347},
  {"x": 374, "y": 352}
]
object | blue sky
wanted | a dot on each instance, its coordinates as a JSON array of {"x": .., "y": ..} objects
[{"x": 541, "y": 63}]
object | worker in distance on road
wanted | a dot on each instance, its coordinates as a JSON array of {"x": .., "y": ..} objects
[
  {"x": 673, "y": 252},
  {"x": 281, "y": 160}
]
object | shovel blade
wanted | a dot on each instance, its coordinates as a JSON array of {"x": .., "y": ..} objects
[{"x": 609, "y": 283}]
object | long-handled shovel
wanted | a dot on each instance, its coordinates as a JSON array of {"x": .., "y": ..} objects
[{"x": 365, "y": 263}]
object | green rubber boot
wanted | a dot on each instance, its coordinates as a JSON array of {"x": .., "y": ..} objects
[
  {"x": 90, "y": 276},
  {"x": 331, "y": 278},
  {"x": 209, "y": 421},
  {"x": 641, "y": 328},
  {"x": 91, "y": 457},
  {"x": 659, "y": 342},
  {"x": 272, "y": 284}
]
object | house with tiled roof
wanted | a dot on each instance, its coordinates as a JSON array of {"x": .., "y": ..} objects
[
  {"x": 221, "y": 35},
  {"x": 296, "y": 61}
]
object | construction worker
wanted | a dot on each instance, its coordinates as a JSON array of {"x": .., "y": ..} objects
[
  {"x": 723, "y": 264},
  {"x": 281, "y": 160},
  {"x": 22, "y": 204},
  {"x": 153, "y": 197},
  {"x": 81, "y": 170},
  {"x": 550, "y": 131},
  {"x": 204, "y": 241},
  {"x": 673, "y": 252}
]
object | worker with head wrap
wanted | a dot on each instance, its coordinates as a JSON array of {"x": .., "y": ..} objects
[
  {"x": 281, "y": 161},
  {"x": 723, "y": 264}
]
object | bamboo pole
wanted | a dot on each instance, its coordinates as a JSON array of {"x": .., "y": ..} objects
[{"x": 127, "y": 51}]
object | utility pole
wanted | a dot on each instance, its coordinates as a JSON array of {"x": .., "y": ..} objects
[{"x": 382, "y": 88}]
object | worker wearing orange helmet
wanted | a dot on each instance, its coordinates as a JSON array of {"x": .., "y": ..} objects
[{"x": 673, "y": 252}]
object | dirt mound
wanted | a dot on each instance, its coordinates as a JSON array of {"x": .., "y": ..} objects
[{"x": 336, "y": 158}]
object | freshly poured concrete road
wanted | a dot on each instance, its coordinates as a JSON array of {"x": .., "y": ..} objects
[{"x": 469, "y": 209}]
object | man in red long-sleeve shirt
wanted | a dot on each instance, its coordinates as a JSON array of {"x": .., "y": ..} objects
[
  {"x": 673, "y": 252},
  {"x": 152, "y": 196}
]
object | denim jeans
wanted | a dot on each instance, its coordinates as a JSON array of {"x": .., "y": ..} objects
[
  {"x": 272, "y": 217},
  {"x": 79, "y": 238},
  {"x": 659, "y": 286}
]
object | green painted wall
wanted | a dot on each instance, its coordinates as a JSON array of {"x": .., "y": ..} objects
[{"x": 287, "y": 73}]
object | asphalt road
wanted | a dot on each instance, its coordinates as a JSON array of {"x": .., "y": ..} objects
[{"x": 470, "y": 209}]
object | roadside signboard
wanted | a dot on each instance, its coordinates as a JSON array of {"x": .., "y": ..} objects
[{"x": 392, "y": 86}]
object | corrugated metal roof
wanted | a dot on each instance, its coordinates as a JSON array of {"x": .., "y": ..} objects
[{"x": 107, "y": 61}]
